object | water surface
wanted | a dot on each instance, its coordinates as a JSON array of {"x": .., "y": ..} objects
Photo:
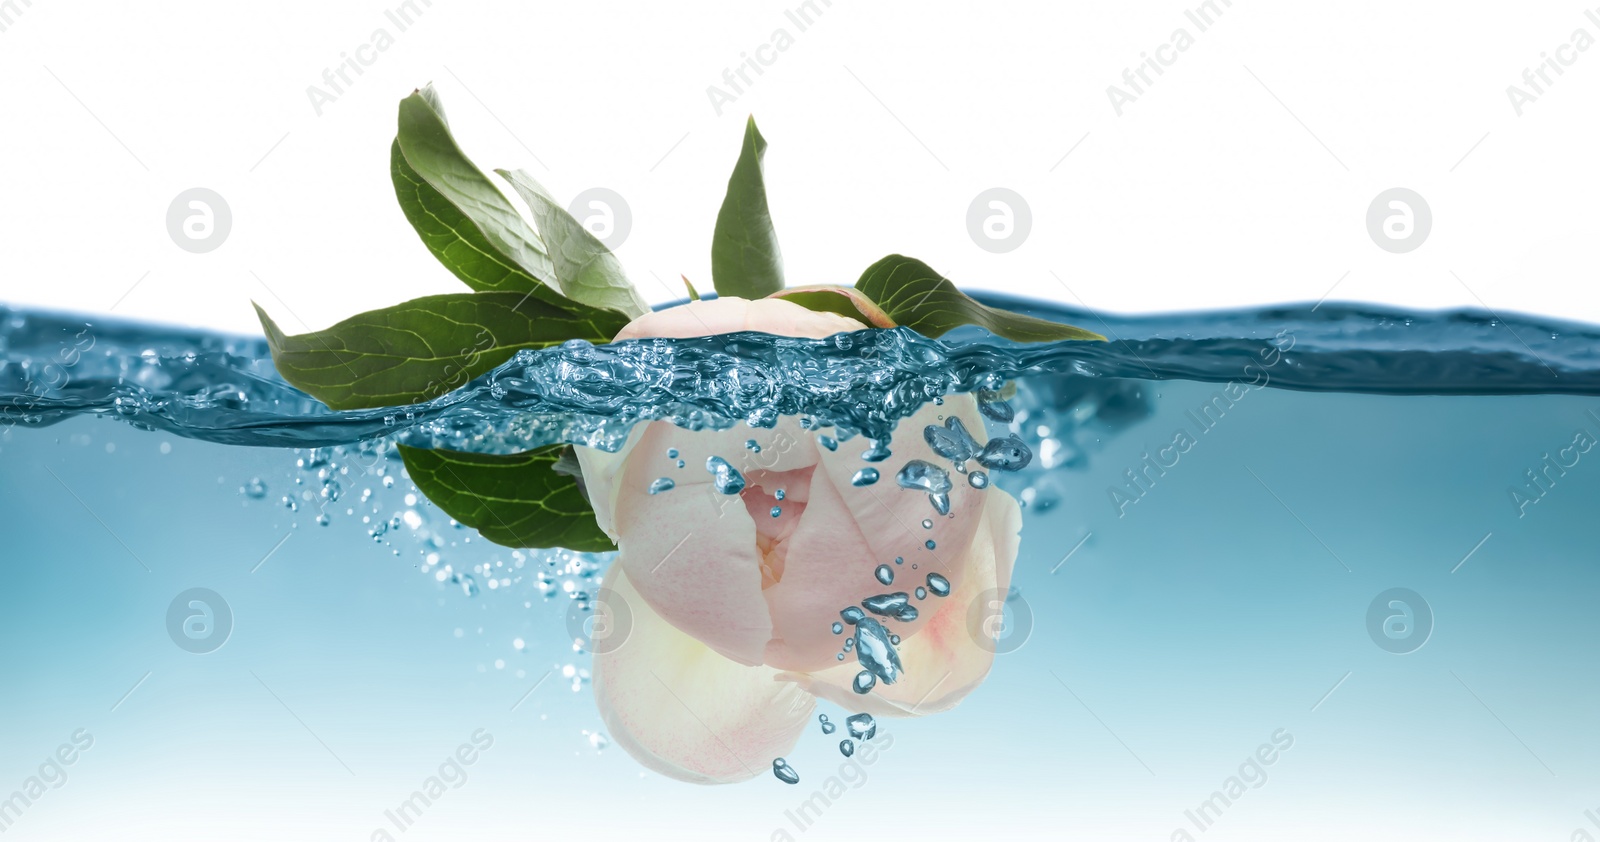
[{"x": 1176, "y": 606}]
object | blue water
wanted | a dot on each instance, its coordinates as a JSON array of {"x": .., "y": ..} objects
[{"x": 1164, "y": 625}]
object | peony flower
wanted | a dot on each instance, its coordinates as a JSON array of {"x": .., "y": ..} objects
[{"x": 731, "y": 609}]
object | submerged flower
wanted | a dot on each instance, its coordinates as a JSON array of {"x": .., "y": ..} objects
[{"x": 734, "y": 588}]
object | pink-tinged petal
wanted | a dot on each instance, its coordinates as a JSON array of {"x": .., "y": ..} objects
[
  {"x": 946, "y": 659},
  {"x": 774, "y": 315},
  {"x": 733, "y": 315},
  {"x": 692, "y": 554},
  {"x": 828, "y": 567},
  {"x": 890, "y": 517},
  {"x": 600, "y": 474},
  {"x": 685, "y": 711}
]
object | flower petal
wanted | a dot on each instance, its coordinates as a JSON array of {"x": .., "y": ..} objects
[
  {"x": 946, "y": 659},
  {"x": 828, "y": 568},
  {"x": 731, "y": 315},
  {"x": 890, "y": 517},
  {"x": 692, "y": 554},
  {"x": 692, "y": 551},
  {"x": 685, "y": 711},
  {"x": 600, "y": 471}
]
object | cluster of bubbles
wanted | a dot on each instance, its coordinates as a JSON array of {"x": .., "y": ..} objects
[
  {"x": 350, "y": 481},
  {"x": 871, "y": 640},
  {"x": 861, "y": 727},
  {"x": 874, "y": 645},
  {"x": 1068, "y": 419},
  {"x": 365, "y": 484}
]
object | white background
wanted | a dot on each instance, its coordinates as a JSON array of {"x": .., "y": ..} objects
[{"x": 1242, "y": 176}]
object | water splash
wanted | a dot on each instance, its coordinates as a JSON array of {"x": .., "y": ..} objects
[{"x": 223, "y": 388}]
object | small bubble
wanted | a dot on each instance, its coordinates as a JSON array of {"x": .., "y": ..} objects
[
  {"x": 978, "y": 479},
  {"x": 884, "y": 574},
  {"x": 784, "y": 772},
  {"x": 938, "y": 584},
  {"x": 662, "y": 484},
  {"x": 930, "y": 544},
  {"x": 918, "y": 475},
  {"x": 838, "y": 628},
  {"x": 1007, "y": 453},
  {"x": 865, "y": 476},
  {"x": 864, "y": 682},
  {"x": 952, "y": 441},
  {"x": 255, "y": 489},
  {"x": 990, "y": 404},
  {"x": 886, "y": 604},
  {"x": 847, "y": 747},
  {"x": 828, "y": 441},
  {"x": 725, "y": 478},
  {"x": 672, "y": 453},
  {"x": 777, "y": 510},
  {"x": 921, "y": 592}
]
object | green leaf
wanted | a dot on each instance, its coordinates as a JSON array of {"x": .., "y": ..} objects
[
  {"x": 518, "y": 500},
  {"x": 917, "y": 297},
  {"x": 745, "y": 260},
  {"x": 847, "y": 302},
  {"x": 427, "y": 347},
  {"x": 468, "y": 224},
  {"x": 586, "y": 269}
]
